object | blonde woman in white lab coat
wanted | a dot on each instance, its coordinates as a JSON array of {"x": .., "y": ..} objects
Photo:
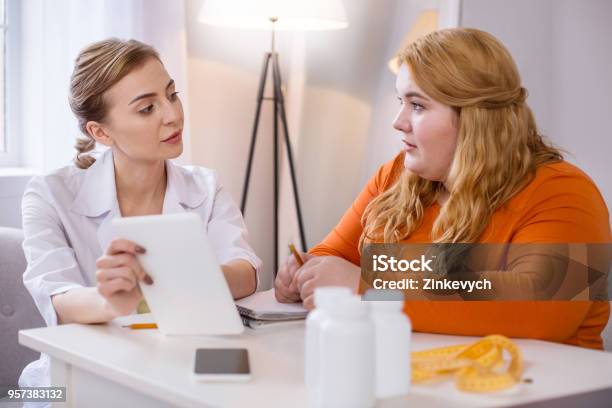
[{"x": 123, "y": 98}]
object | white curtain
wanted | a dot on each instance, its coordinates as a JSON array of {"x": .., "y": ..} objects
[{"x": 53, "y": 32}]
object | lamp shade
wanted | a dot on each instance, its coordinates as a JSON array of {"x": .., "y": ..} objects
[
  {"x": 289, "y": 14},
  {"x": 425, "y": 24}
]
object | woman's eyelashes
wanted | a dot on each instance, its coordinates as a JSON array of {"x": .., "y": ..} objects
[
  {"x": 417, "y": 107},
  {"x": 149, "y": 108}
]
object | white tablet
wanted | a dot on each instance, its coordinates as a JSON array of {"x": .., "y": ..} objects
[{"x": 190, "y": 295}]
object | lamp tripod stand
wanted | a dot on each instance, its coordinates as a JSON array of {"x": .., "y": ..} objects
[{"x": 279, "y": 111}]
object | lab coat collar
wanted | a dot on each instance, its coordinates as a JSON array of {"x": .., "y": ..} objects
[
  {"x": 98, "y": 193},
  {"x": 183, "y": 189}
]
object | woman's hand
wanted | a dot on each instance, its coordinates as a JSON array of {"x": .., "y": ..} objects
[
  {"x": 285, "y": 285},
  {"x": 325, "y": 271},
  {"x": 118, "y": 273}
]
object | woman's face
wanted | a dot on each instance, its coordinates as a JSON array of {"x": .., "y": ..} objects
[
  {"x": 429, "y": 130},
  {"x": 145, "y": 117}
]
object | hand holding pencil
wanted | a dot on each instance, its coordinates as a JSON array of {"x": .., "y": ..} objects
[
  {"x": 286, "y": 290},
  {"x": 295, "y": 253}
]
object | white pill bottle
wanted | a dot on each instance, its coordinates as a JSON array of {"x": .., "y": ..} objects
[
  {"x": 346, "y": 366},
  {"x": 324, "y": 299},
  {"x": 392, "y": 344}
]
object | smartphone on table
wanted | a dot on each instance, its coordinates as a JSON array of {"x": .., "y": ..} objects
[{"x": 222, "y": 364}]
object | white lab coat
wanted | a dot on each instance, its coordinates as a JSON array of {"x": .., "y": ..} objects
[{"x": 67, "y": 226}]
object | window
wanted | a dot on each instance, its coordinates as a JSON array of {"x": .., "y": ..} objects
[
  {"x": 3, "y": 32},
  {"x": 10, "y": 144}
]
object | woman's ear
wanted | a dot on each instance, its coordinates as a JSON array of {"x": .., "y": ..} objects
[{"x": 98, "y": 132}]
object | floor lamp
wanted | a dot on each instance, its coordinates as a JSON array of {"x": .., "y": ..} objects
[{"x": 274, "y": 15}]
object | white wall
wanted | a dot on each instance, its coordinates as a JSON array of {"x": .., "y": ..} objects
[
  {"x": 582, "y": 87},
  {"x": 562, "y": 49}
]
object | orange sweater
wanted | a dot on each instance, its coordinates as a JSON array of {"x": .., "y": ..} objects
[{"x": 561, "y": 204}]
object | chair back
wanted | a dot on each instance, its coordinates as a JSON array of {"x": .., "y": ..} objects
[{"x": 17, "y": 309}]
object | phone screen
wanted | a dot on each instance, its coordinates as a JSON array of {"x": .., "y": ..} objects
[{"x": 221, "y": 361}]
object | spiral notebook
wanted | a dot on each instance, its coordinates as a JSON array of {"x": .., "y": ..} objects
[{"x": 263, "y": 306}]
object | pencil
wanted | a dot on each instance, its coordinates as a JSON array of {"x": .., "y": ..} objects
[
  {"x": 139, "y": 326},
  {"x": 297, "y": 256}
]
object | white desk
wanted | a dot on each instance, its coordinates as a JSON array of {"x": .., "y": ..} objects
[{"x": 106, "y": 365}]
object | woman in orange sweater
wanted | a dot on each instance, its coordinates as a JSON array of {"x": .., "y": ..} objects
[{"x": 474, "y": 170}]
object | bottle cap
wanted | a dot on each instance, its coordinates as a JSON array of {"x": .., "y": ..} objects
[
  {"x": 350, "y": 307},
  {"x": 326, "y": 296}
]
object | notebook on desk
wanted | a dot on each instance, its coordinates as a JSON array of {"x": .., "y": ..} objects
[{"x": 263, "y": 306}]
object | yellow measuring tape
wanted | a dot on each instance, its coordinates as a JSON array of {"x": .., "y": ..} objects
[{"x": 478, "y": 367}]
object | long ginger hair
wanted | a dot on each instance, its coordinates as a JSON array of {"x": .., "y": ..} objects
[{"x": 498, "y": 144}]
